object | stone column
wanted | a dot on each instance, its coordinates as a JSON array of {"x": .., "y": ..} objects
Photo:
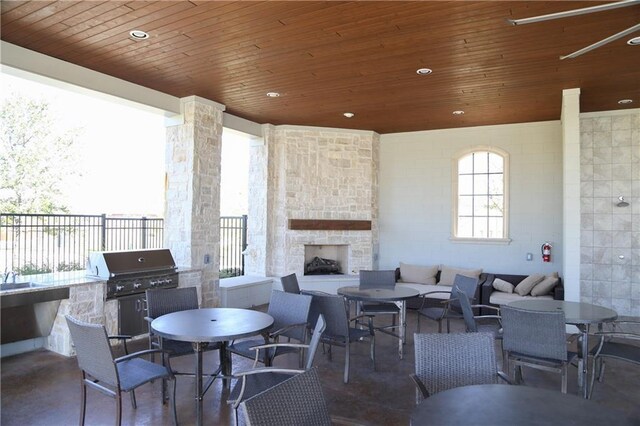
[
  {"x": 192, "y": 205},
  {"x": 571, "y": 193}
]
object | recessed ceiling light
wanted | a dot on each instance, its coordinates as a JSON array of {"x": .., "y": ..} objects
[
  {"x": 349, "y": 114},
  {"x": 625, "y": 101},
  {"x": 424, "y": 71},
  {"x": 458, "y": 112},
  {"x": 138, "y": 35},
  {"x": 634, "y": 41},
  {"x": 273, "y": 94}
]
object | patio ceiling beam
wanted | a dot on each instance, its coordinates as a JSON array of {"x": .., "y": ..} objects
[{"x": 46, "y": 69}]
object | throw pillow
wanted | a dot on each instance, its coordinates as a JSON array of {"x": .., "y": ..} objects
[
  {"x": 545, "y": 286},
  {"x": 502, "y": 285},
  {"x": 448, "y": 274},
  {"x": 418, "y": 274},
  {"x": 528, "y": 283}
]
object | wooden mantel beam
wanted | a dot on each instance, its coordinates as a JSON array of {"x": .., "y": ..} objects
[{"x": 329, "y": 225}]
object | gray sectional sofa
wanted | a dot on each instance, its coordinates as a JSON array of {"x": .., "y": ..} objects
[{"x": 491, "y": 296}]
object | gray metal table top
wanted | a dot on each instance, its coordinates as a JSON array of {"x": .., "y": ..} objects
[
  {"x": 211, "y": 324},
  {"x": 378, "y": 294},
  {"x": 513, "y": 405},
  {"x": 574, "y": 312}
]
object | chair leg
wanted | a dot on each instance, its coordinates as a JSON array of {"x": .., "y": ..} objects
[
  {"x": 173, "y": 403},
  {"x": 118, "y": 407},
  {"x": 448, "y": 326},
  {"x": 440, "y": 326},
  {"x": 83, "y": 400},
  {"x": 346, "y": 362},
  {"x": 373, "y": 351},
  {"x": 564, "y": 379},
  {"x": 134, "y": 404},
  {"x": 419, "y": 322},
  {"x": 601, "y": 364},
  {"x": 593, "y": 377}
]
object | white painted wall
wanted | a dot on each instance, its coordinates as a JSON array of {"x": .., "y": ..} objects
[{"x": 416, "y": 200}]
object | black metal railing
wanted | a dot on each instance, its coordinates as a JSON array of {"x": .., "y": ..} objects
[
  {"x": 233, "y": 241},
  {"x": 40, "y": 243}
]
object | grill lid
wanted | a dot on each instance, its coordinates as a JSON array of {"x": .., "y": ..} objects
[{"x": 111, "y": 264}]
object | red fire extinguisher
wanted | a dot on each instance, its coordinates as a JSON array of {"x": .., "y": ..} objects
[{"x": 546, "y": 252}]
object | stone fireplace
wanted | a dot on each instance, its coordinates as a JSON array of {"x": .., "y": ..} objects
[
  {"x": 337, "y": 252},
  {"x": 311, "y": 174}
]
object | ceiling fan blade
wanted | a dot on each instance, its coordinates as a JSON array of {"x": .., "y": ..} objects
[
  {"x": 575, "y": 12},
  {"x": 602, "y": 42}
]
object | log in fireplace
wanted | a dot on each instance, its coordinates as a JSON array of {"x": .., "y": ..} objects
[{"x": 321, "y": 266}]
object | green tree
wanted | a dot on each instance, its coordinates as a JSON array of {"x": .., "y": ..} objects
[{"x": 36, "y": 157}]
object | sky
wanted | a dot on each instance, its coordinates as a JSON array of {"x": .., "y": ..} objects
[{"x": 122, "y": 162}]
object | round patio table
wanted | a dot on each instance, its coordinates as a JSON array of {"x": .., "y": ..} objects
[
  {"x": 582, "y": 315},
  {"x": 204, "y": 326},
  {"x": 497, "y": 405},
  {"x": 396, "y": 294}
]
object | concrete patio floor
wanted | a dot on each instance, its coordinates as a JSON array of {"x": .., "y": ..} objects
[{"x": 42, "y": 388}]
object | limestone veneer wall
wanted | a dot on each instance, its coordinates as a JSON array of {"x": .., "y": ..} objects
[
  {"x": 192, "y": 208},
  {"x": 610, "y": 235},
  {"x": 312, "y": 173}
]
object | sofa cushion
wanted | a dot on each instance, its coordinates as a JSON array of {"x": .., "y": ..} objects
[
  {"x": 545, "y": 286},
  {"x": 502, "y": 285},
  {"x": 500, "y": 298},
  {"x": 418, "y": 274},
  {"x": 528, "y": 283},
  {"x": 448, "y": 274}
]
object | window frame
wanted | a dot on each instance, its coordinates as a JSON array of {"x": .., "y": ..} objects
[{"x": 455, "y": 196}]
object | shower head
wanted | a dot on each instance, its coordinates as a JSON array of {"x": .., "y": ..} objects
[{"x": 622, "y": 202}]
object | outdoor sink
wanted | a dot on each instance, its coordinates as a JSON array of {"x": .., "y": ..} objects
[{"x": 15, "y": 286}]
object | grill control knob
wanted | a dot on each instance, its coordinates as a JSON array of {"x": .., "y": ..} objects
[
  {"x": 136, "y": 286},
  {"x": 119, "y": 288},
  {"x": 153, "y": 283}
]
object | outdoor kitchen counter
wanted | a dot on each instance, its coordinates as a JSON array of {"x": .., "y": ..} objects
[{"x": 42, "y": 282}]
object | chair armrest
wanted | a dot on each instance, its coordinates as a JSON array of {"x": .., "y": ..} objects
[
  {"x": 339, "y": 420},
  {"x": 120, "y": 336},
  {"x": 481, "y": 317},
  {"x": 124, "y": 339},
  {"x": 140, "y": 353},
  {"x": 493, "y": 308},
  {"x": 242, "y": 375},
  {"x": 421, "y": 387},
  {"x": 274, "y": 345},
  {"x": 504, "y": 377},
  {"x": 425, "y": 296},
  {"x": 286, "y": 328},
  {"x": 148, "y": 319}
]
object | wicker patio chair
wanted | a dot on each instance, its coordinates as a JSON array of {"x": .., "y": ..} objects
[
  {"x": 165, "y": 301},
  {"x": 252, "y": 382},
  {"x": 297, "y": 401},
  {"x": 450, "y": 308},
  {"x": 339, "y": 331},
  {"x": 535, "y": 339},
  {"x": 479, "y": 323},
  {"x": 290, "y": 313},
  {"x": 379, "y": 279},
  {"x": 290, "y": 284},
  {"x": 446, "y": 361},
  {"x": 111, "y": 376},
  {"x": 622, "y": 343}
]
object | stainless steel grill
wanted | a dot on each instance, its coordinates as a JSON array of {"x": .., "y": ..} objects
[{"x": 133, "y": 271}]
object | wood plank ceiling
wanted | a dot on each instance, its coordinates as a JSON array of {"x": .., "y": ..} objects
[{"x": 327, "y": 58}]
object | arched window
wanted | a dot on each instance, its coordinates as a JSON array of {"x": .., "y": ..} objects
[{"x": 481, "y": 195}]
